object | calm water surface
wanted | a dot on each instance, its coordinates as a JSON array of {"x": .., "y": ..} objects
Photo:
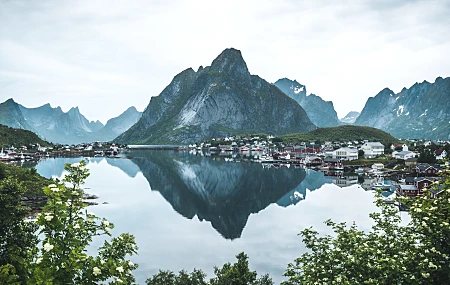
[{"x": 189, "y": 211}]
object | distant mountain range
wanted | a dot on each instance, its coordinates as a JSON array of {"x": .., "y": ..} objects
[
  {"x": 321, "y": 112},
  {"x": 53, "y": 125},
  {"x": 422, "y": 111},
  {"x": 216, "y": 101},
  {"x": 350, "y": 118}
]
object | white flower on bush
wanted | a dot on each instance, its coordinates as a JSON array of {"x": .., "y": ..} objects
[
  {"x": 96, "y": 271},
  {"x": 55, "y": 189},
  {"x": 48, "y": 218},
  {"x": 118, "y": 280},
  {"x": 119, "y": 269},
  {"x": 48, "y": 247},
  {"x": 102, "y": 261},
  {"x": 130, "y": 263},
  {"x": 77, "y": 226},
  {"x": 107, "y": 229},
  {"x": 75, "y": 192},
  {"x": 76, "y": 164},
  {"x": 52, "y": 186},
  {"x": 106, "y": 223},
  {"x": 39, "y": 260}
]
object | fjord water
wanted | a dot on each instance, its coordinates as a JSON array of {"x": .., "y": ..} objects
[{"x": 188, "y": 211}]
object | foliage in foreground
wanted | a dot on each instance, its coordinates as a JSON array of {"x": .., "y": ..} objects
[
  {"x": 58, "y": 253},
  {"x": 230, "y": 274},
  {"x": 391, "y": 253}
]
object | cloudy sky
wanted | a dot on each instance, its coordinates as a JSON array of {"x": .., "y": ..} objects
[{"x": 107, "y": 55}]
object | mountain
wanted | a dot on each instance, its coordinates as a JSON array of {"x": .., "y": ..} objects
[
  {"x": 18, "y": 137},
  {"x": 350, "y": 118},
  {"x": 116, "y": 126},
  {"x": 320, "y": 112},
  {"x": 72, "y": 127},
  {"x": 422, "y": 111},
  {"x": 216, "y": 101},
  {"x": 11, "y": 116}
]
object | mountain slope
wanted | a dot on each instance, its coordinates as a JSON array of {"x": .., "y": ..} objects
[
  {"x": 342, "y": 133},
  {"x": 320, "y": 112},
  {"x": 422, "y": 111},
  {"x": 18, "y": 137},
  {"x": 12, "y": 116},
  {"x": 350, "y": 118},
  {"x": 218, "y": 100},
  {"x": 119, "y": 124}
]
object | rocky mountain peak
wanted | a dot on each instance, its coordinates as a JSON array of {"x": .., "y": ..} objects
[{"x": 230, "y": 62}]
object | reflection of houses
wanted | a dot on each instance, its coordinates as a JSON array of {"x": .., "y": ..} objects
[
  {"x": 346, "y": 180},
  {"x": 372, "y": 149},
  {"x": 403, "y": 154},
  {"x": 333, "y": 163},
  {"x": 414, "y": 186},
  {"x": 345, "y": 153}
]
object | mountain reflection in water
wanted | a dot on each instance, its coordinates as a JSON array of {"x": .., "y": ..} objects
[{"x": 223, "y": 193}]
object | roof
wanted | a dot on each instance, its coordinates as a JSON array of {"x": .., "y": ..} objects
[
  {"x": 408, "y": 187},
  {"x": 403, "y": 152},
  {"x": 348, "y": 149},
  {"x": 439, "y": 151},
  {"x": 374, "y": 144},
  {"x": 423, "y": 167}
]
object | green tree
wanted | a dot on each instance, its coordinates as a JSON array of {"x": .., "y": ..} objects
[
  {"x": 426, "y": 155},
  {"x": 16, "y": 236},
  {"x": 229, "y": 274},
  {"x": 67, "y": 228},
  {"x": 360, "y": 153},
  {"x": 390, "y": 253}
]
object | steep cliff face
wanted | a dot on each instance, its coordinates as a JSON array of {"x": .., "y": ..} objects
[
  {"x": 11, "y": 116},
  {"x": 218, "y": 100},
  {"x": 422, "y": 111},
  {"x": 320, "y": 112}
]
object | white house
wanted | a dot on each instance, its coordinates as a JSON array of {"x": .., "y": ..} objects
[
  {"x": 403, "y": 154},
  {"x": 345, "y": 153},
  {"x": 402, "y": 145},
  {"x": 372, "y": 149},
  {"x": 440, "y": 154}
]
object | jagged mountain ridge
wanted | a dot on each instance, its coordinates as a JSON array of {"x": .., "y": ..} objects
[
  {"x": 350, "y": 118},
  {"x": 53, "y": 125},
  {"x": 218, "y": 100},
  {"x": 319, "y": 111},
  {"x": 422, "y": 111}
]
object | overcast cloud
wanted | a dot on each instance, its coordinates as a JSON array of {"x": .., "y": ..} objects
[{"x": 105, "y": 56}]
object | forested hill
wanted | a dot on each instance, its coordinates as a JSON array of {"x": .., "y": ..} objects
[
  {"x": 341, "y": 133},
  {"x": 18, "y": 137}
]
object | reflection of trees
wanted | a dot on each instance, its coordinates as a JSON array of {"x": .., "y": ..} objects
[{"x": 223, "y": 193}]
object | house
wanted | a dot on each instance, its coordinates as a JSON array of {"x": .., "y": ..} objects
[
  {"x": 372, "y": 149},
  {"x": 404, "y": 155},
  {"x": 411, "y": 161},
  {"x": 440, "y": 154},
  {"x": 426, "y": 169},
  {"x": 414, "y": 186},
  {"x": 345, "y": 153},
  {"x": 399, "y": 145}
]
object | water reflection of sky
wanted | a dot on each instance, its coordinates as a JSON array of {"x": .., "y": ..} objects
[{"x": 167, "y": 240}]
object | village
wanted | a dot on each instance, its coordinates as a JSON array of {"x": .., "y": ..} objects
[{"x": 393, "y": 169}]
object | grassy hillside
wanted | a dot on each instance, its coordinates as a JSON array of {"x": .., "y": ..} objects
[
  {"x": 341, "y": 133},
  {"x": 18, "y": 137}
]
